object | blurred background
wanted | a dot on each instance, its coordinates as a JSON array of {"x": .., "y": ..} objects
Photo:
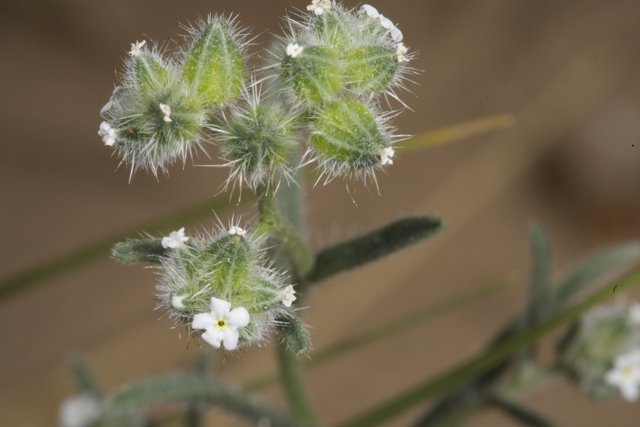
[{"x": 566, "y": 71}]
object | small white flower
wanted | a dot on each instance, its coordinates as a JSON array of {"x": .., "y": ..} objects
[
  {"x": 107, "y": 133},
  {"x": 136, "y": 48},
  {"x": 625, "y": 375},
  {"x": 221, "y": 325},
  {"x": 234, "y": 230},
  {"x": 294, "y": 50},
  {"x": 386, "y": 156},
  {"x": 177, "y": 301},
  {"x": 371, "y": 11},
  {"x": 386, "y": 22},
  {"x": 166, "y": 110},
  {"x": 401, "y": 51},
  {"x": 175, "y": 239},
  {"x": 634, "y": 314},
  {"x": 79, "y": 411},
  {"x": 396, "y": 34},
  {"x": 319, "y": 7},
  {"x": 288, "y": 296}
]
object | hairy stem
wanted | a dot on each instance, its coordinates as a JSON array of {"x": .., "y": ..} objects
[{"x": 291, "y": 376}]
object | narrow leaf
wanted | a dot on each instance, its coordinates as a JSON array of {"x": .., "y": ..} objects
[
  {"x": 372, "y": 246},
  {"x": 520, "y": 412},
  {"x": 356, "y": 342},
  {"x": 459, "y": 132},
  {"x": 84, "y": 379},
  {"x": 486, "y": 361},
  {"x": 142, "y": 250},
  {"x": 598, "y": 267},
  {"x": 189, "y": 388}
]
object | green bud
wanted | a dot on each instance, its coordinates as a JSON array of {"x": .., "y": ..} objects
[
  {"x": 315, "y": 75},
  {"x": 347, "y": 138},
  {"x": 147, "y": 72},
  {"x": 214, "y": 65},
  {"x": 371, "y": 69}
]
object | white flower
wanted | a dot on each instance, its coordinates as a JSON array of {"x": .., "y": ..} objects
[
  {"x": 625, "y": 375},
  {"x": 177, "y": 301},
  {"x": 79, "y": 411},
  {"x": 401, "y": 51},
  {"x": 386, "y": 22},
  {"x": 221, "y": 325},
  {"x": 288, "y": 296},
  {"x": 107, "y": 133},
  {"x": 175, "y": 239},
  {"x": 234, "y": 230},
  {"x": 136, "y": 48},
  {"x": 386, "y": 156},
  {"x": 371, "y": 11},
  {"x": 634, "y": 314},
  {"x": 166, "y": 110},
  {"x": 319, "y": 7},
  {"x": 294, "y": 50},
  {"x": 396, "y": 34}
]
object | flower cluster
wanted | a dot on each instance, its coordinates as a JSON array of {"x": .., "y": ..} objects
[
  {"x": 219, "y": 284},
  {"x": 603, "y": 354},
  {"x": 158, "y": 114}
]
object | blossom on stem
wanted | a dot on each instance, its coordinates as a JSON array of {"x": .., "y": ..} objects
[
  {"x": 166, "y": 110},
  {"x": 319, "y": 7},
  {"x": 136, "y": 48},
  {"x": 107, "y": 133},
  {"x": 401, "y": 51},
  {"x": 294, "y": 50},
  {"x": 221, "y": 324},
  {"x": 234, "y": 230},
  {"x": 175, "y": 239},
  {"x": 625, "y": 375},
  {"x": 386, "y": 156},
  {"x": 288, "y": 296}
]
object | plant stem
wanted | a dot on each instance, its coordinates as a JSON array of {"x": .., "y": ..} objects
[{"x": 291, "y": 376}]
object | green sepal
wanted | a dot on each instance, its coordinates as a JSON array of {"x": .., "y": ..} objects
[
  {"x": 370, "y": 69},
  {"x": 315, "y": 76},
  {"x": 140, "y": 250},
  {"x": 215, "y": 64},
  {"x": 295, "y": 335}
]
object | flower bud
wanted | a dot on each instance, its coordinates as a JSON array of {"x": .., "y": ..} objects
[
  {"x": 349, "y": 138},
  {"x": 214, "y": 65},
  {"x": 146, "y": 69},
  {"x": 256, "y": 140},
  {"x": 223, "y": 275},
  {"x": 371, "y": 69}
]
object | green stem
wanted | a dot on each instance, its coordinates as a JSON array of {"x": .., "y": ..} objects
[{"x": 291, "y": 376}]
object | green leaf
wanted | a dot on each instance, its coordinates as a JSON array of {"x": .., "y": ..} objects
[
  {"x": 370, "y": 247},
  {"x": 190, "y": 388},
  {"x": 83, "y": 377},
  {"x": 142, "y": 250},
  {"x": 540, "y": 280},
  {"x": 520, "y": 413},
  {"x": 493, "y": 357},
  {"x": 598, "y": 267},
  {"x": 295, "y": 335},
  {"x": 374, "y": 335}
]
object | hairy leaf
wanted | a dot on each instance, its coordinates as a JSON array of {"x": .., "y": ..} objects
[
  {"x": 520, "y": 412},
  {"x": 142, "y": 250},
  {"x": 295, "y": 335},
  {"x": 372, "y": 246}
]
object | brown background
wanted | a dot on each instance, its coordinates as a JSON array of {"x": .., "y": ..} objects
[{"x": 567, "y": 70}]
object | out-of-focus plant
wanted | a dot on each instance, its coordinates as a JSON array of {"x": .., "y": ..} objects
[{"x": 318, "y": 100}]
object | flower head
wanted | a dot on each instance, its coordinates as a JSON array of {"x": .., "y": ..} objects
[
  {"x": 234, "y": 230},
  {"x": 221, "y": 324},
  {"x": 80, "y": 411},
  {"x": 401, "y": 51},
  {"x": 370, "y": 11},
  {"x": 288, "y": 296},
  {"x": 136, "y": 48},
  {"x": 319, "y": 7},
  {"x": 625, "y": 375},
  {"x": 175, "y": 239},
  {"x": 107, "y": 133},
  {"x": 294, "y": 50}
]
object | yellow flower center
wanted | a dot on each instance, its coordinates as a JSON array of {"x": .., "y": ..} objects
[{"x": 221, "y": 323}]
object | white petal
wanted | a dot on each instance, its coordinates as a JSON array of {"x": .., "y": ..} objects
[
  {"x": 203, "y": 321},
  {"x": 169, "y": 243},
  {"x": 79, "y": 411},
  {"x": 370, "y": 10},
  {"x": 396, "y": 34},
  {"x": 230, "y": 338},
  {"x": 213, "y": 336},
  {"x": 386, "y": 22},
  {"x": 238, "y": 317},
  {"x": 630, "y": 392},
  {"x": 219, "y": 307}
]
